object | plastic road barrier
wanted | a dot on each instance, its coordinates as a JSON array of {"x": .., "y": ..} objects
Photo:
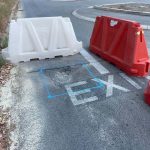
[
  {"x": 122, "y": 43},
  {"x": 41, "y": 38},
  {"x": 147, "y": 94}
]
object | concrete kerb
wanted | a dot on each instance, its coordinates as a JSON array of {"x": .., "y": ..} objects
[
  {"x": 77, "y": 15},
  {"x": 106, "y": 8},
  {"x": 20, "y": 13},
  {"x": 122, "y": 10}
]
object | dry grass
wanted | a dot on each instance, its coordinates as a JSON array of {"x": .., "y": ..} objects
[
  {"x": 5, "y": 11},
  {"x": 6, "y": 7}
]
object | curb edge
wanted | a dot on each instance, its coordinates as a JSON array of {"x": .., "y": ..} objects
[{"x": 77, "y": 15}]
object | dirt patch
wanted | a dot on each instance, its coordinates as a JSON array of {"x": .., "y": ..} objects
[
  {"x": 4, "y": 73},
  {"x": 5, "y": 125},
  {"x": 5, "y": 129}
]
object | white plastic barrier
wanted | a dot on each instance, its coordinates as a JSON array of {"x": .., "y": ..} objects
[{"x": 41, "y": 38}]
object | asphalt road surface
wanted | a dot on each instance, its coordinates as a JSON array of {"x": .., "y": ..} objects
[{"x": 78, "y": 102}]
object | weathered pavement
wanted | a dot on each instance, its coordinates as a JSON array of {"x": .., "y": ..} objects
[{"x": 68, "y": 103}]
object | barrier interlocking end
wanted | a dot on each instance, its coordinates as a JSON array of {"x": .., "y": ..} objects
[{"x": 147, "y": 93}]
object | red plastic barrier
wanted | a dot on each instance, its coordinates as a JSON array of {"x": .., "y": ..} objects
[
  {"x": 121, "y": 42},
  {"x": 147, "y": 94}
]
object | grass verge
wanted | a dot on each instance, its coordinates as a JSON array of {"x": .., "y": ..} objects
[
  {"x": 6, "y": 7},
  {"x": 5, "y": 12}
]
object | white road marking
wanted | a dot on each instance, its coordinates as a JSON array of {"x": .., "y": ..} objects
[
  {"x": 110, "y": 84},
  {"x": 109, "y": 87},
  {"x": 73, "y": 94},
  {"x": 109, "y": 92},
  {"x": 97, "y": 65},
  {"x": 116, "y": 4},
  {"x": 87, "y": 100},
  {"x": 90, "y": 19},
  {"x": 130, "y": 81},
  {"x": 148, "y": 77},
  {"x": 74, "y": 13}
]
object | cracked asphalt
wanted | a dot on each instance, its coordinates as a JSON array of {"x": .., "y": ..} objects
[{"x": 61, "y": 105}]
